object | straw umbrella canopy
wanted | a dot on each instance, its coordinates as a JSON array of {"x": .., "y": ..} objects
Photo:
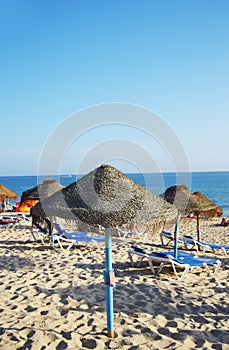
[
  {"x": 214, "y": 209},
  {"x": 2, "y": 194},
  {"x": 41, "y": 191},
  {"x": 187, "y": 202},
  {"x": 177, "y": 195},
  {"x": 109, "y": 198},
  {"x": 6, "y": 193}
]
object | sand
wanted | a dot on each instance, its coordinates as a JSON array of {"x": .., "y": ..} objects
[{"x": 56, "y": 300}]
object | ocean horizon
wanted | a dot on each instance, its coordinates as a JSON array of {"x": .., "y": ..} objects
[{"x": 213, "y": 184}]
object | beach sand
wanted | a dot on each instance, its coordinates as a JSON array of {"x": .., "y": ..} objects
[{"x": 56, "y": 300}]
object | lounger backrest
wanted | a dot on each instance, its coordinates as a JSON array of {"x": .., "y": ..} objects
[
  {"x": 59, "y": 228},
  {"x": 189, "y": 237},
  {"x": 138, "y": 249}
]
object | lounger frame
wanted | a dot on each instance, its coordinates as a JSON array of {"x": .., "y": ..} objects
[
  {"x": 161, "y": 261},
  {"x": 203, "y": 247}
]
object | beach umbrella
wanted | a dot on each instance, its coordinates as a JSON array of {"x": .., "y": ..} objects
[
  {"x": 200, "y": 204},
  {"x": 213, "y": 208},
  {"x": 177, "y": 195},
  {"x": 187, "y": 202},
  {"x": 6, "y": 193},
  {"x": 109, "y": 198},
  {"x": 41, "y": 191},
  {"x": 2, "y": 193},
  {"x": 25, "y": 206}
]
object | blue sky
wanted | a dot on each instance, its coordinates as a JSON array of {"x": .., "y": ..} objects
[{"x": 58, "y": 57}]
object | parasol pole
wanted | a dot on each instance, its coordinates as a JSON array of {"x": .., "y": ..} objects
[
  {"x": 176, "y": 235},
  {"x": 109, "y": 281},
  {"x": 198, "y": 226}
]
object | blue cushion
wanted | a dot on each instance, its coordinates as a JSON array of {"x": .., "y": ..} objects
[{"x": 138, "y": 249}]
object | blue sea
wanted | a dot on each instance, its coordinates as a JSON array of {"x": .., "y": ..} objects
[{"x": 214, "y": 185}]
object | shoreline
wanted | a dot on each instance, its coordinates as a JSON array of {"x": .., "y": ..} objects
[
  {"x": 215, "y": 185},
  {"x": 56, "y": 300}
]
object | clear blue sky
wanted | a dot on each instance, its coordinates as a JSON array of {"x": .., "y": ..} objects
[{"x": 59, "y": 56}]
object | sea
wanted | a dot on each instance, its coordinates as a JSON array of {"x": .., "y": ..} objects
[{"x": 214, "y": 185}]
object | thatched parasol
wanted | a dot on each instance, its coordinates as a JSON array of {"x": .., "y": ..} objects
[
  {"x": 177, "y": 195},
  {"x": 41, "y": 191},
  {"x": 6, "y": 193},
  {"x": 187, "y": 202},
  {"x": 107, "y": 197},
  {"x": 214, "y": 209},
  {"x": 2, "y": 193}
]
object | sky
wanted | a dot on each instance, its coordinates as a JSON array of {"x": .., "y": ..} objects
[{"x": 60, "y": 57}]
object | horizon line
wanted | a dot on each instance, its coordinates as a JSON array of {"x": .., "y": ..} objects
[{"x": 147, "y": 172}]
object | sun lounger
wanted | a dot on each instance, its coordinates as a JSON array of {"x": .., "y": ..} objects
[
  {"x": 71, "y": 238},
  {"x": 23, "y": 217},
  {"x": 6, "y": 225},
  {"x": 203, "y": 246},
  {"x": 184, "y": 261},
  {"x": 42, "y": 233},
  {"x": 7, "y": 222},
  {"x": 167, "y": 238},
  {"x": 64, "y": 233},
  {"x": 124, "y": 233}
]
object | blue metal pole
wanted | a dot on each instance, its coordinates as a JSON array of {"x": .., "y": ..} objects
[
  {"x": 198, "y": 226},
  {"x": 176, "y": 233},
  {"x": 109, "y": 285}
]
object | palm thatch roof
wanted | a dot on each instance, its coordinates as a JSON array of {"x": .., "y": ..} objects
[
  {"x": 107, "y": 197},
  {"x": 7, "y": 193},
  {"x": 187, "y": 202},
  {"x": 41, "y": 191}
]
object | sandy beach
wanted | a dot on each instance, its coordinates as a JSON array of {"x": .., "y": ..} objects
[{"x": 56, "y": 300}]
